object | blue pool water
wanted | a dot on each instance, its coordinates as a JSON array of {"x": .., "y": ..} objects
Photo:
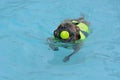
[{"x": 25, "y": 25}]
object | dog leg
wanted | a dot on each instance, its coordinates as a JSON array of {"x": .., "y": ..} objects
[
  {"x": 51, "y": 44},
  {"x": 76, "y": 49}
]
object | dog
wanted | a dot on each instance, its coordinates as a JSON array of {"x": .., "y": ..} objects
[{"x": 70, "y": 34}]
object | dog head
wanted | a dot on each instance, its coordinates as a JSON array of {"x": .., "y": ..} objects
[{"x": 66, "y": 32}]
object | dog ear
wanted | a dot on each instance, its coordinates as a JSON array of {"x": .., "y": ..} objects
[{"x": 59, "y": 26}]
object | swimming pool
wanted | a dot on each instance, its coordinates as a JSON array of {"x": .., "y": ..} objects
[{"x": 25, "y": 25}]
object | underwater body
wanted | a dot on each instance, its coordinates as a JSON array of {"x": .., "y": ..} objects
[{"x": 26, "y": 24}]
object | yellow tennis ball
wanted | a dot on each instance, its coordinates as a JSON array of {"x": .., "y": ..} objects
[{"x": 64, "y": 34}]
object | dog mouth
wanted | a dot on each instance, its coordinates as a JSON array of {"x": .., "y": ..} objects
[
  {"x": 57, "y": 35},
  {"x": 69, "y": 29}
]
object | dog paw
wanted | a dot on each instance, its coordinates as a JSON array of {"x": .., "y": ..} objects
[
  {"x": 55, "y": 49},
  {"x": 66, "y": 59}
]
